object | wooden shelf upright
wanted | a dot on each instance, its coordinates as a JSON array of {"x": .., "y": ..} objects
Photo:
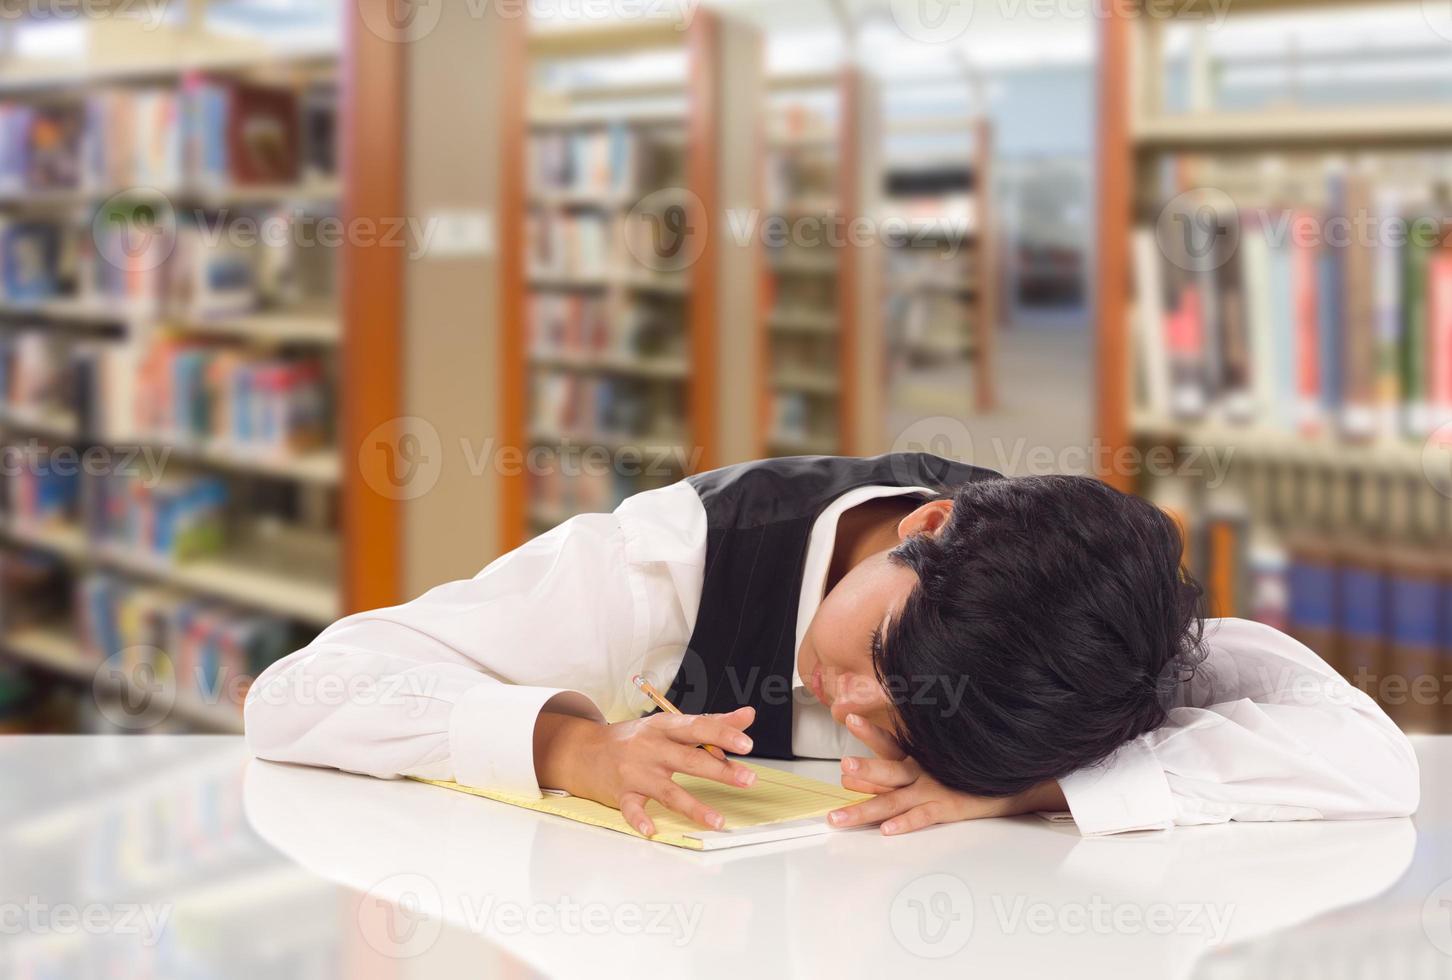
[
  {"x": 624, "y": 341},
  {"x": 821, "y": 320}
]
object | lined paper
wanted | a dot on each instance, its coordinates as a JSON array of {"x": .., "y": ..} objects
[{"x": 778, "y": 797}]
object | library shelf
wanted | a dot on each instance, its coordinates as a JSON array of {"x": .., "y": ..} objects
[
  {"x": 960, "y": 287},
  {"x": 950, "y": 300},
  {"x": 56, "y": 651},
  {"x": 932, "y": 124},
  {"x": 265, "y": 327},
  {"x": 816, "y": 382},
  {"x": 601, "y": 118},
  {"x": 802, "y": 141},
  {"x": 320, "y": 189},
  {"x": 666, "y": 285},
  {"x": 50, "y": 647},
  {"x": 807, "y": 207},
  {"x": 352, "y": 328},
  {"x": 258, "y": 583},
  {"x": 614, "y": 442},
  {"x": 269, "y": 327},
  {"x": 656, "y": 368},
  {"x": 272, "y": 588},
  {"x": 319, "y": 466},
  {"x": 805, "y": 265},
  {"x": 640, "y": 33},
  {"x": 1136, "y": 132},
  {"x": 1323, "y": 451},
  {"x": 802, "y": 321},
  {"x": 580, "y": 199},
  {"x": 79, "y": 309},
  {"x": 785, "y": 445},
  {"x": 663, "y": 137},
  {"x": 1332, "y": 532},
  {"x": 824, "y": 307},
  {"x": 64, "y": 540},
  {"x": 54, "y": 423},
  {"x": 170, "y": 69},
  {"x": 577, "y": 283},
  {"x": 1310, "y": 127}
]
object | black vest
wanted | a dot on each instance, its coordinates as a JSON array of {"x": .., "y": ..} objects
[{"x": 759, "y": 519}]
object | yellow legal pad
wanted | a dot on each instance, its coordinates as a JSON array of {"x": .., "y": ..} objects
[{"x": 780, "y": 806}]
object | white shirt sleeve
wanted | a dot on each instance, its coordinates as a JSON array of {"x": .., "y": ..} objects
[
  {"x": 448, "y": 686},
  {"x": 1265, "y": 731}
]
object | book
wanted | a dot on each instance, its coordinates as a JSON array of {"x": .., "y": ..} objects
[
  {"x": 209, "y": 276},
  {"x": 1314, "y": 598},
  {"x": 29, "y": 261},
  {"x": 318, "y": 110},
  {"x": 205, "y": 648},
  {"x": 1388, "y": 260},
  {"x": 53, "y": 146},
  {"x": 240, "y": 133},
  {"x": 1413, "y": 360},
  {"x": 133, "y": 137},
  {"x": 1418, "y": 611},
  {"x": 1327, "y": 322},
  {"x": 1358, "y": 326},
  {"x": 197, "y": 393},
  {"x": 1151, "y": 362},
  {"x": 1439, "y": 345},
  {"x": 1362, "y": 614}
]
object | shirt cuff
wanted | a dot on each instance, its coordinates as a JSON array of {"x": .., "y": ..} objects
[
  {"x": 491, "y": 733},
  {"x": 1127, "y": 792}
]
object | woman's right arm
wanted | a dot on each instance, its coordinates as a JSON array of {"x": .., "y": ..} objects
[{"x": 450, "y": 685}]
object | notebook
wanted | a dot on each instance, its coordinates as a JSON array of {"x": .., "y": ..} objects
[{"x": 780, "y": 806}]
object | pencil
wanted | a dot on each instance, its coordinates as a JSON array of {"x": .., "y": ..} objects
[{"x": 648, "y": 689}]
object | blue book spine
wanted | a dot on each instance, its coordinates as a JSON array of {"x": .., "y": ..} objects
[
  {"x": 1417, "y": 612},
  {"x": 1312, "y": 602}
]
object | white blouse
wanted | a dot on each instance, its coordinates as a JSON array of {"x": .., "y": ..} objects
[{"x": 448, "y": 686}]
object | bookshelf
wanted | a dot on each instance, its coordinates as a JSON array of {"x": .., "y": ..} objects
[
  {"x": 1314, "y": 367},
  {"x": 821, "y": 315},
  {"x": 627, "y": 357},
  {"x": 216, "y": 531},
  {"x": 945, "y": 311}
]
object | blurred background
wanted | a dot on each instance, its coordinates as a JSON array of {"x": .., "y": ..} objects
[
  {"x": 309, "y": 305},
  {"x": 306, "y": 306}
]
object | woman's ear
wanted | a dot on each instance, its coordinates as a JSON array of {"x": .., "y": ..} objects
[{"x": 930, "y": 518}]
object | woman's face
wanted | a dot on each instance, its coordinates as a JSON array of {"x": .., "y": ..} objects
[{"x": 835, "y": 659}]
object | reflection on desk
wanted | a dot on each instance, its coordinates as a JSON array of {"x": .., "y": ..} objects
[{"x": 230, "y": 867}]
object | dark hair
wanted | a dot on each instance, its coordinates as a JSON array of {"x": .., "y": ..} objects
[{"x": 1051, "y": 621}]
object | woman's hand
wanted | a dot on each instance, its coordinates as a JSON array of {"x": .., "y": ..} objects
[
  {"x": 908, "y": 799},
  {"x": 625, "y": 764}
]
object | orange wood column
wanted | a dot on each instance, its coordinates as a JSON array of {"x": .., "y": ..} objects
[
  {"x": 511, "y": 373},
  {"x": 371, "y": 302},
  {"x": 985, "y": 273},
  {"x": 849, "y": 199},
  {"x": 702, "y": 178},
  {"x": 1111, "y": 305}
]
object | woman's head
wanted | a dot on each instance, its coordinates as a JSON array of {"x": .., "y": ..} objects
[{"x": 1020, "y": 630}]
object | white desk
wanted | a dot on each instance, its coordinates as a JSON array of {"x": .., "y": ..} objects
[{"x": 176, "y": 856}]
